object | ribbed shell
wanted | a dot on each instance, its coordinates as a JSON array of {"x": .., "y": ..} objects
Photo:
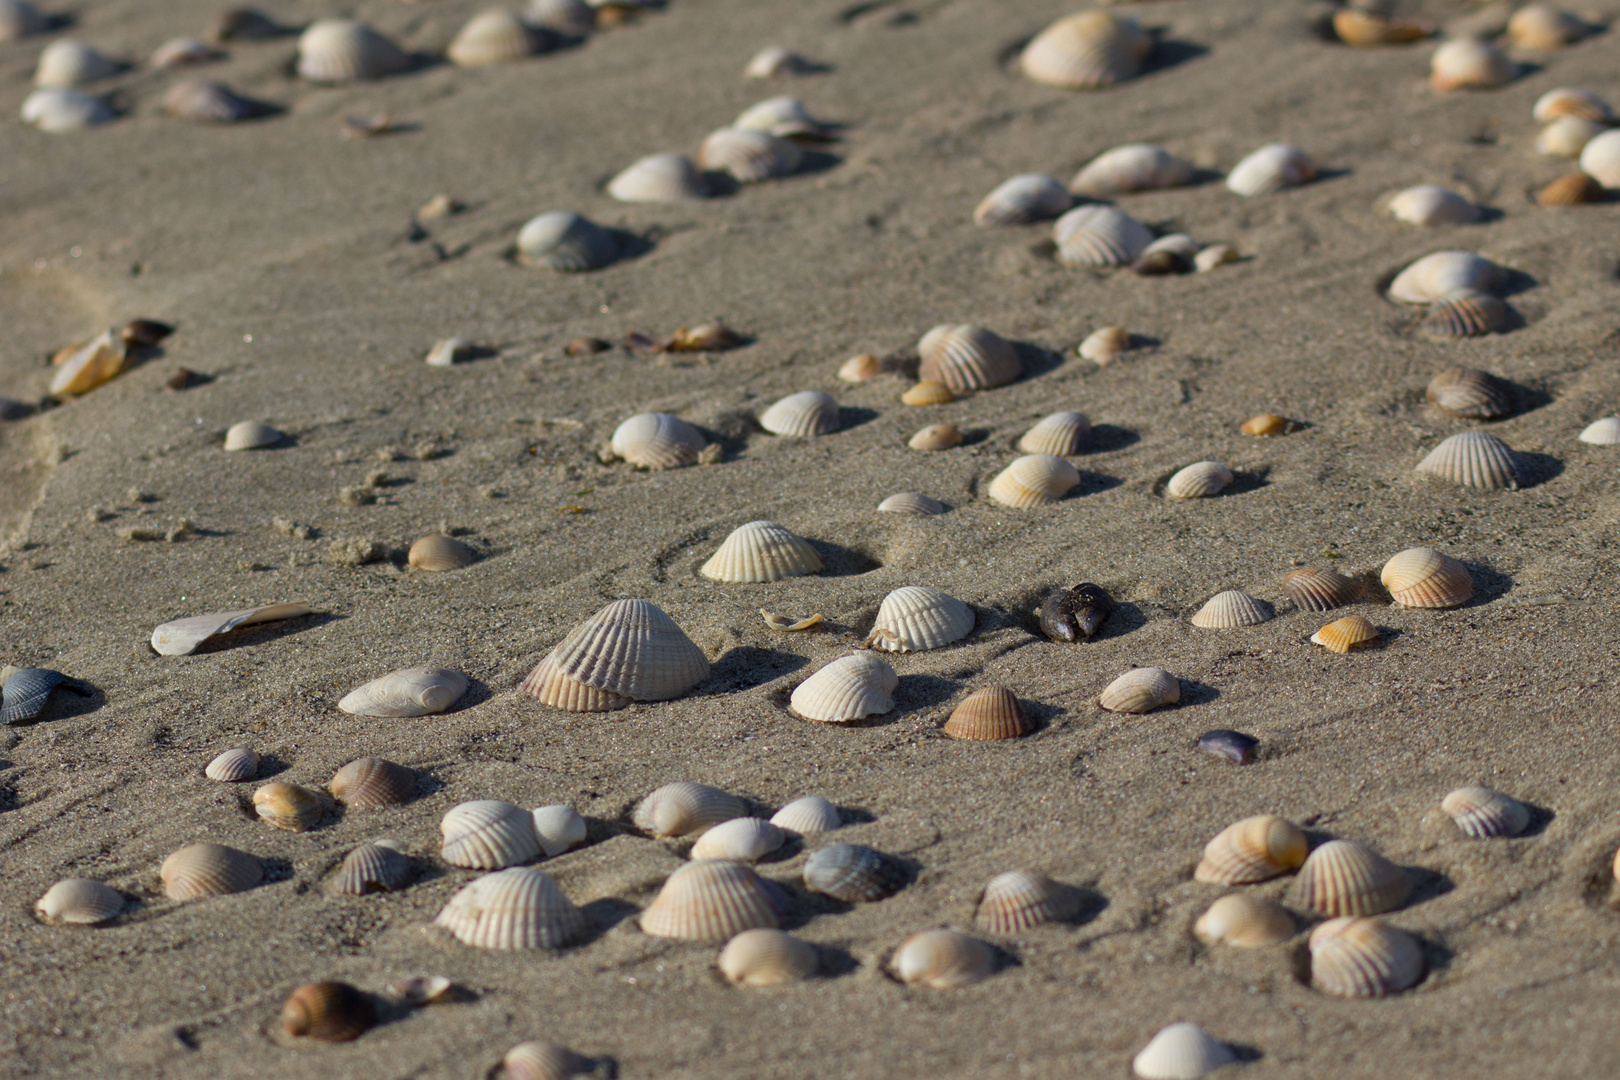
[
  {"x": 807, "y": 816},
  {"x": 209, "y": 870},
  {"x": 943, "y": 960},
  {"x": 64, "y": 64},
  {"x": 658, "y": 178},
  {"x": 1565, "y": 101},
  {"x": 989, "y": 714},
  {"x": 1133, "y": 167},
  {"x": 1320, "y": 590},
  {"x": 853, "y": 873},
  {"x": 1022, "y": 199},
  {"x": 20, "y": 19},
  {"x": 1231, "y": 609},
  {"x": 180, "y": 637},
  {"x": 1086, "y": 51},
  {"x": 1600, "y": 159},
  {"x": 1140, "y": 690},
  {"x": 233, "y": 765},
  {"x": 575, "y": 18},
  {"x": 558, "y": 828},
  {"x": 329, "y": 1012},
  {"x": 633, "y": 649},
  {"x": 1020, "y": 899},
  {"x": 79, "y": 900},
  {"x": 439, "y": 553},
  {"x": 1346, "y": 634},
  {"x": 767, "y": 957},
  {"x": 61, "y": 111},
  {"x": 487, "y": 834},
  {"x": 369, "y": 868},
  {"x": 1465, "y": 313},
  {"x": 1422, "y": 577},
  {"x": 369, "y": 782},
  {"x": 1471, "y": 393},
  {"x": 1104, "y": 346},
  {"x": 1474, "y": 459},
  {"x": 1468, "y": 64},
  {"x": 342, "y": 50},
  {"x": 24, "y": 691},
  {"x": 537, "y": 1060},
  {"x": 849, "y": 688},
  {"x": 97, "y": 360},
  {"x": 657, "y": 441},
  {"x": 1060, "y": 434},
  {"x": 492, "y": 37},
  {"x": 762, "y": 551},
  {"x": 1482, "y": 813},
  {"x": 1430, "y": 204},
  {"x": 745, "y": 839},
  {"x": 1099, "y": 236},
  {"x": 1033, "y": 480},
  {"x": 809, "y": 412},
  {"x": 1433, "y": 276},
  {"x": 1181, "y": 1052},
  {"x": 1567, "y": 136},
  {"x": 412, "y": 691},
  {"x": 1255, "y": 849},
  {"x": 1604, "y": 432},
  {"x": 917, "y": 505},
  {"x": 1270, "y": 169},
  {"x": 565, "y": 241},
  {"x": 749, "y": 156},
  {"x": 288, "y": 806},
  {"x": 1344, "y": 878},
  {"x": 1198, "y": 480},
  {"x": 207, "y": 101},
  {"x": 686, "y": 809},
  {"x": 967, "y": 357},
  {"x": 710, "y": 900},
  {"x": 561, "y": 691},
  {"x": 520, "y": 908},
  {"x": 1354, "y": 957},
  {"x": 1244, "y": 921}
]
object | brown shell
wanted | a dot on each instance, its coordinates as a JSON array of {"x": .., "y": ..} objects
[
  {"x": 288, "y": 806},
  {"x": 369, "y": 782},
  {"x": 1576, "y": 189},
  {"x": 1255, "y": 849},
  {"x": 1465, "y": 313},
  {"x": 1320, "y": 590},
  {"x": 1267, "y": 424},
  {"x": 1471, "y": 393},
  {"x": 1363, "y": 29},
  {"x": 991, "y": 713},
  {"x": 1343, "y": 877},
  {"x": 1346, "y": 634},
  {"x": 928, "y": 392},
  {"x": 328, "y": 1011}
]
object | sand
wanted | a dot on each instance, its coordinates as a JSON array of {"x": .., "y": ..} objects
[{"x": 286, "y": 256}]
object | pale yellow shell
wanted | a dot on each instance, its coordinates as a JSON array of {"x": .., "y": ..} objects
[
  {"x": 686, "y": 809},
  {"x": 1086, "y": 51},
  {"x": 1270, "y": 169},
  {"x": 1544, "y": 28},
  {"x": 1141, "y": 690},
  {"x": 439, "y": 553},
  {"x": 496, "y": 36},
  {"x": 1469, "y": 64},
  {"x": 552, "y": 687},
  {"x": 79, "y": 900},
  {"x": 710, "y": 900},
  {"x": 1181, "y": 1051},
  {"x": 1060, "y": 434},
  {"x": 1244, "y": 921},
  {"x": 861, "y": 368},
  {"x": 519, "y": 908},
  {"x": 1021, "y": 899},
  {"x": 849, "y": 688},
  {"x": 487, "y": 834},
  {"x": 412, "y": 691},
  {"x": 657, "y": 441},
  {"x": 1199, "y": 480},
  {"x": 658, "y": 178},
  {"x": 810, "y": 412},
  {"x": 1343, "y": 877},
  {"x": 288, "y": 806},
  {"x": 1567, "y": 136},
  {"x": 744, "y": 839},
  {"x": 761, "y": 551},
  {"x": 967, "y": 357},
  {"x": 1482, "y": 813},
  {"x": 1133, "y": 167},
  {"x": 1033, "y": 480},
  {"x": 1105, "y": 345},
  {"x": 1430, "y": 204},
  {"x": 1422, "y": 577},
  {"x": 767, "y": 957},
  {"x": 936, "y": 437},
  {"x": 1214, "y": 256},
  {"x": 774, "y": 62},
  {"x": 943, "y": 960},
  {"x": 928, "y": 392},
  {"x": 782, "y": 116},
  {"x": 1346, "y": 634},
  {"x": 1255, "y": 849},
  {"x": 1359, "y": 957},
  {"x": 914, "y": 618},
  {"x": 1231, "y": 609},
  {"x": 208, "y": 870}
]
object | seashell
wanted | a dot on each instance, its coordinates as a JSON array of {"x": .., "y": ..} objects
[
  {"x": 1474, "y": 459},
  {"x": 849, "y": 688},
  {"x": 343, "y": 51},
  {"x": 90, "y": 364},
  {"x": 1267, "y": 425},
  {"x": 787, "y": 623},
  {"x": 657, "y": 441},
  {"x": 989, "y": 714},
  {"x": 487, "y": 834},
  {"x": 144, "y": 333},
  {"x": 1568, "y": 102},
  {"x": 1600, "y": 158},
  {"x": 1482, "y": 813},
  {"x": 209, "y": 870},
  {"x": 1086, "y": 51},
  {"x": 936, "y": 437},
  {"x": 1234, "y": 746},
  {"x": 329, "y": 1012},
  {"x": 1033, "y": 480},
  {"x": 1465, "y": 314},
  {"x": 79, "y": 900},
  {"x": 182, "y": 636},
  {"x": 369, "y": 782},
  {"x": 1059, "y": 434},
  {"x": 1567, "y": 136},
  {"x": 241, "y": 24},
  {"x": 807, "y": 816},
  {"x": 915, "y": 618},
  {"x": 450, "y": 351},
  {"x": 64, "y": 64},
  {"x": 1020, "y": 899},
  {"x": 1433, "y": 276},
  {"x": 1576, "y": 189},
  {"x": 519, "y": 908},
  {"x": 686, "y": 809},
  {"x": 1099, "y": 236},
  {"x": 862, "y": 368},
  {"x": 492, "y": 37},
  {"x": 1468, "y": 64},
  {"x": 1604, "y": 432},
  {"x": 710, "y": 900},
  {"x": 1422, "y": 577},
  {"x": 538, "y": 1060},
  {"x": 704, "y": 337},
  {"x": 182, "y": 52},
  {"x": 807, "y": 413},
  {"x": 943, "y": 960},
  {"x": 208, "y": 101},
  {"x": 749, "y": 156},
  {"x": 1172, "y": 254},
  {"x": 1270, "y": 169},
  {"x": 1346, "y": 634},
  {"x": 251, "y": 435},
  {"x": 1354, "y": 957},
  {"x": 573, "y": 18},
  {"x": 60, "y": 111},
  {"x": 20, "y": 19},
  {"x": 1544, "y": 27},
  {"x": 1181, "y": 1052},
  {"x": 1244, "y": 921},
  {"x": 1431, "y": 204},
  {"x": 631, "y": 649},
  {"x": 288, "y": 806},
  {"x": 1216, "y": 255},
  {"x": 1231, "y": 609},
  {"x": 785, "y": 117},
  {"x": 967, "y": 357},
  {"x": 566, "y": 242},
  {"x": 558, "y": 828},
  {"x": 853, "y": 873},
  {"x": 423, "y": 990},
  {"x": 1133, "y": 167},
  {"x": 1344, "y": 878},
  {"x": 1365, "y": 29},
  {"x": 1104, "y": 346},
  {"x": 774, "y": 62},
  {"x": 1141, "y": 690},
  {"x": 1255, "y": 849},
  {"x": 767, "y": 957},
  {"x": 928, "y": 392},
  {"x": 910, "y": 502},
  {"x": 1320, "y": 590},
  {"x": 1076, "y": 613},
  {"x": 658, "y": 178},
  {"x": 552, "y": 687},
  {"x": 369, "y": 868},
  {"x": 744, "y": 839},
  {"x": 1198, "y": 480},
  {"x": 24, "y": 691},
  {"x": 412, "y": 691},
  {"x": 1469, "y": 392},
  {"x": 438, "y": 553},
  {"x": 1022, "y": 199},
  {"x": 762, "y": 551},
  {"x": 232, "y": 766}
]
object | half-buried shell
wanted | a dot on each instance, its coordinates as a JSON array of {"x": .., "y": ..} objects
[
  {"x": 744, "y": 839},
  {"x": 1357, "y": 957},
  {"x": 558, "y": 827},
  {"x": 209, "y": 870},
  {"x": 209, "y": 102},
  {"x": 79, "y": 900},
  {"x": 1086, "y": 51},
  {"x": 233, "y": 765},
  {"x": 288, "y": 806},
  {"x": 1099, "y": 236},
  {"x": 61, "y": 111},
  {"x": 1431, "y": 204},
  {"x": 989, "y": 714},
  {"x": 658, "y": 178},
  {"x": 328, "y": 1012},
  {"x": 912, "y": 503},
  {"x": 1022, "y": 199},
  {"x": 628, "y": 651},
  {"x": 1255, "y": 849},
  {"x": 914, "y": 618},
  {"x": 686, "y": 809},
  {"x": 807, "y": 413},
  {"x": 1244, "y": 921},
  {"x": 1566, "y": 101},
  {"x": 1060, "y": 434},
  {"x": 487, "y": 834},
  {"x": 967, "y": 357},
  {"x": 1320, "y": 590},
  {"x": 1270, "y": 169},
  {"x": 1475, "y": 459},
  {"x": 1482, "y": 813},
  {"x": 1021, "y": 899},
  {"x": 657, "y": 441},
  {"x": 412, "y": 691},
  {"x": 1471, "y": 393},
  {"x": 343, "y": 50},
  {"x": 1366, "y": 29},
  {"x": 369, "y": 782},
  {"x": 1231, "y": 609},
  {"x": 519, "y": 908},
  {"x": 1141, "y": 690},
  {"x": 808, "y": 816},
  {"x": 25, "y": 691},
  {"x": 252, "y": 435},
  {"x": 1604, "y": 432},
  {"x": 848, "y": 689},
  {"x": 438, "y": 553},
  {"x": 375, "y": 867},
  {"x": 853, "y": 873},
  {"x": 710, "y": 900},
  {"x": 1343, "y": 877},
  {"x": 1346, "y": 634},
  {"x": 1033, "y": 480},
  {"x": 1181, "y": 1052},
  {"x": 749, "y": 156},
  {"x": 1422, "y": 577},
  {"x": 1465, "y": 313},
  {"x": 565, "y": 241},
  {"x": 64, "y": 64},
  {"x": 943, "y": 960},
  {"x": 936, "y": 437},
  {"x": 1468, "y": 63},
  {"x": 492, "y": 37},
  {"x": 182, "y": 636},
  {"x": 1133, "y": 167},
  {"x": 1199, "y": 480},
  {"x": 1544, "y": 28},
  {"x": 1443, "y": 272},
  {"x": 767, "y": 957},
  {"x": 762, "y": 551}
]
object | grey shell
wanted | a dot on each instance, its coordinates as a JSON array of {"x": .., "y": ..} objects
[
  {"x": 853, "y": 873},
  {"x": 24, "y": 693},
  {"x": 566, "y": 242}
]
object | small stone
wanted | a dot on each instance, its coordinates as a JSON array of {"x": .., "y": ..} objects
[
  {"x": 356, "y": 496},
  {"x": 291, "y": 528},
  {"x": 136, "y": 495},
  {"x": 711, "y": 454},
  {"x": 354, "y": 552},
  {"x": 140, "y": 535},
  {"x": 440, "y": 206},
  {"x": 586, "y": 346},
  {"x": 1234, "y": 746}
]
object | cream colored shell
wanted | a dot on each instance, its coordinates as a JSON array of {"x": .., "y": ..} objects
[
  {"x": 438, "y": 553},
  {"x": 1141, "y": 690},
  {"x": 807, "y": 816},
  {"x": 1181, "y": 1052},
  {"x": 1431, "y": 204},
  {"x": 208, "y": 870},
  {"x": 342, "y": 51},
  {"x": 1604, "y": 432},
  {"x": 807, "y": 413},
  {"x": 967, "y": 357},
  {"x": 487, "y": 834},
  {"x": 848, "y": 689},
  {"x": 1133, "y": 167},
  {"x": 913, "y": 503},
  {"x": 1093, "y": 235},
  {"x": 1359, "y": 957},
  {"x": 288, "y": 806},
  {"x": 1482, "y": 813},
  {"x": 914, "y": 618},
  {"x": 943, "y": 960},
  {"x": 1033, "y": 480},
  {"x": 686, "y": 809},
  {"x": 761, "y": 551},
  {"x": 1087, "y": 51},
  {"x": 1600, "y": 159},
  {"x": 1271, "y": 169},
  {"x": 79, "y": 900},
  {"x": 657, "y": 441},
  {"x": 1469, "y": 64},
  {"x": 233, "y": 765},
  {"x": 180, "y": 637},
  {"x": 1343, "y": 877},
  {"x": 1425, "y": 578},
  {"x": 251, "y": 435},
  {"x": 1255, "y": 849},
  {"x": 412, "y": 691},
  {"x": 1567, "y": 136},
  {"x": 1021, "y": 899},
  {"x": 1022, "y": 199},
  {"x": 710, "y": 900},
  {"x": 767, "y": 957},
  {"x": 1059, "y": 434},
  {"x": 64, "y": 64},
  {"x": 658, "y": 178},
  {"x": 1244, "y": 921},
  {"x": 1199, "y": 480},
  {"x": 59, "y": 112},
  {"x": 1231, "y": 609},
  {"x": 519, "y": 908},
  {"x": 749, "y": 156},
  {"x": 744, "y": 839},
  {"x": 1544, "y": 28},
  {"x": 1105, "y": 345},
  {"x": 1443, "y": 272},
  {"x": 558, "y": 827},
  {"x": 496, "y": 36},
  {"x": 630, "y": 649}
]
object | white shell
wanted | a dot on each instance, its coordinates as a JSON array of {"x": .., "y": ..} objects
[
  {"x": 1604, "y": 432},
  {"x": 1468, "y": 63},
  {"x": 207, "y": 101},
  {"x": 686, "y": 809},
  {"x": 1544, "y": 27},
  {"x": 1430, "y": 204},
  {"x": 1565, "y": 101},
  {"x": 180, "y": 637},
  {"x": 1199, "y": 480},
  {"x": 1422, "y": 577},
  {"x": 658, "y": 178},
  {"x": 710, "y": 900},
  {"x": 1133, "y": 167},
  {"x": 1214, "y": 256},
  {"x": 567, "y": 242},
  {"x": 1474, "y": 459},
  {"x": 412, "y": 691},
  {"x": 1358, "y": 957},
  {"x": 967, "y": 357},
  {"x": 232, "y": 766},
  {"x": 914, "y": 618},
  {"x": 1022, "y": 199},
  {"x": 1600, "y": 159},
  {"x": 64, "y": 64},
  {"x": 79, "y": 900},
  {"x": 487, "y": 834},
  {"x": 449, "y": 351},
  {"x": 1105, "y": 345},
  {"x": 1086, "y": 51},
  {"x": 520, "y": 908},
  {"x": 807, "y": 816},
  {"x": 1181, "y": 1052},
  {"x": 20, "y": 19},
  {"x": 761, "y": 551},
  {"x": 1567, "y": 136},
  {"x": 558, "y": 828},
  {"x": 59, "y": 111},
  {"x": 785, "y": 117},
  {"x": 773, "y": 62},
  {"x": 1060, "y": 434},
  {"x": 1433, "y": 276},
  {"x": 252, "y": 435},
  {"x": 910, "y": 502},
  {"x": 745, "y": 839},
  {"x": 767, "y": 957},
  {"x": 749, "y": 156},
  {"x": 848, "y": 689},
  {"x": 1482, "y": 813},
  {"x": 491, "y": 37},
  {"x": 1033, "y": 480},
  {"x": 631, "y": 649},
  {"x": 809, "y": 412},
  {"x": 343, "y": 50},
  {"x": 1270, "y": 168},
  {"x": 943, "y": 960},
  {"x": 657, "y": 441},
  {"x": 1141, "y": 690},
  {"x": 1231, "y": 609},
  {"x": 1099, "y": 236}
]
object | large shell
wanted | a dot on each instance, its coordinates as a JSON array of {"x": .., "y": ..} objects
[
  {"x": 1269, "y": 169},
  {"x": 519, "y": 908},
  {"x": 1020, "y": 899},
  {"x": 329, "y": 1012},
  {"x": 207, "y": 101},
  {"x": 288, "y": 806},
  {"x": 807, "y": 816},
  {"x": 94, "y": 362},
  {"x": 1075, "y": 614},
  {"x": 1022, "y": 199},
  {"x": 1431, "y": 204},
  {"x": 1600, "y": 159},
  {"x": 1482, "y": 813},
  {"x": 343, "y": 50},
  {"x": 438, "y": 553},
  {"x": 79, "y": 900},
  {"x": 1469, "y": 392},
  {"x": 1543, "y": 27},
  {"x": 1343, "y": 877},
  {"x": 686, "y": 809},
  {"x": 849, "y": 688},
  {"x": 658, "y": 178},
  {"x": 1604, "y": 432},
  {"x": 1099, "y": 236},
  {"x": 1468, "y": 63},
  {"x": 233, "y": 765},
  {"x": 809, "y": 412},
  {"x": 64, "y": 64},
  {"x": 630, "y": 648},
  {"x": 745, "y": 839},
  {"x": 1133, "y": 167},
  {"x": 1060, "y": 434},
  {"x": 412, "y": 691},
  {"x": 853, "y": 873},
  {"x": 761, "y": 551},
  {"x": 1320, "y": 590},
  {"x": 496, "y": 36},
  {"x": 913, "y": 503},
  {"x": 657, "y": 441},
  {"x": 1346, "y": 634},
  {"x": 369, "y": 868},
  {"x": 1565, "y": 101},
  {"x": 943, "y": 960},
  {"x": 369, "y": 782},
  {"x": 1181, "y": 1052},
  {"x": 1475, "y": 459},
  {"x": 209, "y": 870},
  {"x": 487, "y": 834},
  {"x": 1422, "y": 577},
  {"x": 989, "y": 714},
  {"x": 1244, "y": 921},
  {"x": 20, "y": 19},
  {"x": 1198, "y": 480},
  {"x": 574, "y": 18},
  {"x": 710, "y": 900},
  {"x": 182, "y": 636},
  {"x": 967, "y": 357},
  {"x": 1140, "y": 690},
  {"x": 1231, "y": 609},
  {"x": 749, "y": 156},
  {"x": 1086, "y": 51},
  {"x": 1433, "y": 276},
  {"x": 60, "y": 111},
  {"x": 1033, "y": 480},
  {"x": 24, "y": 691},
  {"x": 767, "y": 957},
  {"x": 914, "y": 618},
  {"x": 565, "y": 241},
  {"x": 558, "y": 828},
  {"x": 1465, "y": 313},
  {"x": 1567, "y": 136},
  {"x": 1356, "y": 957},
  {"x": 1255, "y": 849},
  {"x": 1366, "y": 29},
  {"x": 552, "y": 687}
]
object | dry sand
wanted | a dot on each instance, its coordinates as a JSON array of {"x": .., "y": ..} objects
[{"x": 285, "y": 255}]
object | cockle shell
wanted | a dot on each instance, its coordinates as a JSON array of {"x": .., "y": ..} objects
[
  {"x": 24, "y": 691},
  {"x": 64, "y": 64},
  {"x": 79, "y": 900},
  {"x": 492, "y": 37},
  {"x": 936, "y": 437},
  {"x": 1231, "y": 609},
  {"x": 1033, "y": 480},
  {"x": 328, "y": 1012},
  {"x": 1600, "y": 159},
  {"x": 412, "y": 691},
  {"x": 537, "y": 1060},
  {"x": 1431, "y": 204},
  {"x": 553, "y": 687},
  {"x": 558, "y": 828},
  {"x": 1357, "y": 957},
  {"x": 1465, "y": 313},
  {"x": 658, "y": 178},
  {"x": 774, "y": 62},
  {"x": 686, "y": 809},
  {"x": 1365, "y": 29},
  {"x": 209, "y": 870},
  {"x": 928, "y": 392},
  {"x": 657, "y": 441},
  {"x": 849, "y": 688},
  {"x": 1060, "y": 434},
  {"x": 1133, "y": 167},
  {"x": 288, "y": 806},
  {"x": 807, "y": 816},
  {"x": 910, "y": 502},
  {"x": 1181, "y": 1052},
  {"x": 1433, "y": 276},
  {"x": 233, "y": 765},
  {"x": 1346, "y": 634},
  {"x": 1604, "y": 432},
  {"x": 967, "y": 357},
  {"x": 1269, "y": 169},
  {"x": 1255, "y": 849},
  {"x": 1268, "y": 425},
  {"x": 90, "y": 365},
  {"x": 566, "y": 242},
  {"x": 1086, "y": 51},
  {"x": 182, "y": 636},
  {"x": 1467, "y": 64},
  {"x": 762, "y": 551},
  {"x": 1543, "y": 27},
  {"x": 1105, "y": 345},
  {"x": 630, "y": 649},
  {"x": 1244, "y": 921},
  {"x": 1474, "y": 459},
  {"x": 207, "y": 101},
  {"x": 786, "y": 118},
  {"x": 710, "y": 900},
  {"x": 1469, "y": 392},
  {"x": 343, "y": 51},
  {"x": 807, "y": 413},
  {"x": 60, "y": 111},
  {"x": 1075, "y": 614},
  {"x": 1565, "y": 101},
  {"x": 1567, "y": 136},
  {"x": 518, "y": 908},
  {"x": 574, "y": 18},
  {"x": 1022, "y": 199},
  {"x": 1482, "y": 813},
  {"x": 375, "y": 867},
  {"x": 1422, "y": 577},
  {"x": 1343, "y": 877},
  {"x": 1020, "y": 899},
  {"x": 252, "y": 435},
  {"x": 943, "y": 960},
  {"x": 767, "y": 957},
  {"x": 1199, "y": 480},
  {"x": 487, "y": 834},
  {"x": 1094, "y": 235},
  {"x": 861, "y": 368},
  {"x": 749, "y": 156},
  {"x": 1140, "y": 690},
  {"x": 369, "y": 782},
  {"x": 744, "y": 839},
  {"x": 914, "y": 618},
  {"x": 20, "y": 19},
  {"x": 182, "y": 52},
  {"x": 989, "y": 714},
  {"x": 853, "y": 873},
  {"x": 438, "y": 553}
]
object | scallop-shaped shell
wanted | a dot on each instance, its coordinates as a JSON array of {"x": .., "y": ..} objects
[
  {"x": 1099, "y": 236},
  {"x": 710, "y": 900},
  {"x": 369, "y": 868},
  {"x": 558, "y": 828},
  {"x": 288, "y": 806},
  {"x": 658, "y": 178},
  {"x": 1141, "y": 690},
  {"x": 1244, "y": 921},
  {"x": 182, "y": 51},
  {"x": 60, "y": 111},
  {"x": 774, "y": 62},
  {"x": 1343, "y": 877},
  {"x": 1422, "y": 577},
  {"x": 686, "y": 809},
  {"x": 1198, "y": 480},
  {"x": 809, "y": 412},
  {"x": 412, "y": 691},
  {"x": 1231, "y": 609},
  {"x": 1567, "y": 136},
  {"x": 657, "y": 441},
  {"x": 630, "y": 648},
  {"x": 989, "y": 714},
  {"x": 343, "y": 50},
  {"x": 1320, "y": 590},
  {"x": 1433, "y": 276},
  {"x": 1600, "y": 159},
  {"x": 207, "y": 101},
  {"x": 1431, "y": 204},
  {"x": 1604, "y": 432},
  {"x": 782, "y": 116},
  {"x": 1565, "y": 101},
  {"x": 1544, "y": 27},
  {"x": 233, "y": 765},
  {"x": 1469, "y": 392},
  {"x": 1465, "y": 313},
  {"x": 1105, "y": 345},
  {"x": 928, "y": 392},
  {"x": 967, "y": 357},
  {"x": 561, "y": 691},
  {"x": 1086, "y": 51},
  {"x": 20, "y": 19},
  {"x": 1269, "y": 169},
  {"x": 368, "y": 782},
  {"x": 180, "y": 637},
  {"x": 910, "y": 502},
  {"x": 491, "y": 37},
  {"x": 1255, "y": 849},
  {"x": 567, "y": 242},
  {"x": 26, "y": 690},
  {"x": 252, "y": 435},
  {"x": 746, "y": 839},
  {"x": 914, "y": 618},
  {"x": 438, "y": 553},
  {"x": 936, "y": 437},
  {"x": 1022, "y": 199},
  {"x": 1346, "y": 634},
  {"x": 943, "y": 960},
  {"x": 1468, "y": 63},
  {"x": 209, "y": 870},
  {"x": 537, "y": 1060},
  {"x": 64, "y": 64},
  {"x": 329, "y": 1012},
  {"x": 767, "y": 957},
  {"x": 861, "y": 368},
  {"x": 1181, "y": 1052},
  {"x": 850, "y": 688},
  {"x": 79, "y": 900},
  {"x": 1482, "y": 813},
  {"x": 574, "y": 18},
  {"x": 1020, "y": 899},
  {"x": 94, "y": 362},
  {"x": 1033, "y": 480},
  {"x": 853, "y": 873},
  {"x": 1474, "y": 459},
  {"x": 519, "y": 908},
  {"x": 749, "y": 156},
  {"x": 1365, "y": 29},
  {"x": 1060, "y": 434},
  {"x": 761, "y": 551},
  {"x": 807, "y": 816},
  {"x": 487, "y": 834},
  {"x": 1133, "y": 167},
  {"x": 1357, "y": 957}
]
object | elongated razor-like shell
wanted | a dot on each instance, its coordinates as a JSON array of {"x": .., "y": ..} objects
[
  {"x": 967, "y": 357},
  {"x": 288, "y": 806},
  {"x": 1482, "y": 813},
  {"x": 180, "y": 637},
  {"x": 657, "y": 441},
  {"x": 853, "y": 873},
  {"x": 807, "y": 816},
  {"x": 1433, "y": 276},
  {"x": 686, "y": 809},
  {"x": 209, "y": 870},
  {"x": 79, "y": 900},
  {"x": 745, "y": 839},
  {"x": 1343, "y": 877},
  {"x": 1358, "y": 957},
  {"x": 1474, "y": 459},
  {"x": 343, "y": 50},
  {"x": 1565, "y": 101},
  {"x": 62, "y": 111},
  {"x": 1141, "y": 690},
  {"x": 989, "y": 714},
  {"x": 208, "y": 102},
  {"x": 1020, "y": 899},
  {"x": 233, "y": 765},
  {"x": 1422, "y": 577},
  {"x": 1133, "y": 167},
  {"x": 629, "y": 648},
  {"x": 1022, "y": 199},
  {"x": 369, "y": 782},
  {"x": 910, "y": 502},
  {"x": 1255, "y": 849},
  {"x": 710, "y": 900},
  {"x": 1431, "y": 204},
  {"x": 914, "y": 618},
  {"x": 1365, "y": 29},
  {"x": 64, "y": 64},
  {"x": 943, "y": 960},
  {"x": 1600, "y": 159},
  {"x": 1033, "y": 480},
  {"x": 369, "y": 868},
  {"x": 1230, "y": 609},
  {"x": 1544, "y": 28},
  {"x": 252, "y": 435},
  {"x": 1060, "y": 434},
  {"x": 1320, "y": 590},
  {"x": 1469, "y": 64},
  {"x": 558, "y": 828},
  {"x": 492, "y": 37},
  {"x": 761, "y": 551},
  {"x": 412, "y": 691},
  {"x": 749, "y": 156},
  {"x": 518, "y": 908},
  {"x": 1105, "y": 345},
  {"x": 564, "y": 241},
  {"x": 1270, "y": 169},
  {"x": 98, "y": 360},
  {"x": 1346, "y": 634},
  {"x": 1181, "y": 1052},
  {"x": 1469, "y": 392},
  {"x": 810, "y": 412},
  {"x": 1099, "y": 236},
  {"x": 1199, "y": 480},
  {"x": 848, "y": 689},
  {"x": 1086, "y": 51},
  {"x": 658, "y": 178},
  {"x": 328, "y": 1012},
  {"x": 1604, "y": 432},
  {"x": 1244, "y": 921},
  {"x": 767, "y": 957},
  {"x": 487, "y": 834}
]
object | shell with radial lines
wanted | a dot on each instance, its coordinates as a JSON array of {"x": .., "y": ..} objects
[
  {"x": 710, "y": 900},
  {"x": 380, "y": 866},
  {"x": 1022, "y": 199},
  {"x": 487, "y": 834},
  {"x": 288, "y": 806},
  {"x": 1021, "y": 899},
  {"x": 79, "y": 900},
  {"x": 1033, "y": 480},
  {"x": 807, "y": 413},
  {"x": 853, "y": 873},
  {"x": 1482, "y": 813},
  {"x": 1088, "y": 51},
  {"x": 808, "y": 816},
  {"x": 762, "y": 551},
  {"x": 912, "y": 503},
  {"x": 438, "y": 553},
  {"x": 1199, "y": 480},
  {"x": 1602, "y": 432},
  {"x": 1141, "y": 690},
  {"x": 1346, "y": 634},
  {"x": 657, "y": 441},
  {"x": 209, "y": 870},
  {"x": 988, "y": 715},
  {"x": 518, "y": 908},
  {"x": 1244, "y": 921},
  {"x": 686, "y": 809},
  {"x": 369, "y": 782},
  {"x": 1231, "y": 609},
  {"x": 412, "y": 691},
  {"x": 749, "y": 157},
  {"x": 1475, "y": 459},
  {"x": 344, "y": 51},
  {"x": 1094, "y": 235},
  {"x": 1255, "y": 849},
  {"x": 848, "y": 689},
  {"x": 629, "y": 651},
  {"x": 1320, "y": 590},
  {"x": 233, "y": 765},
  {"x": 967, "y": 357},
  {"x": 328, "y": 1012},
  {"x": 1343, "y": 877},
  {"x": 1060, "y": 434},
  {"x": 1359, "y": 957},
  {"x": 1566, "y": 101},
  {"x": 914, "y": 618},
  {"x": 1471, "y": 393},
  {"x": 1422, "y": 577},
  {"x": 492, "y": 37}
]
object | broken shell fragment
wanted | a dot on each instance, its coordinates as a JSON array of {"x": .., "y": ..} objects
[
  {"x": 630, "y": 650},
  {"x": 1181, "y": 1052},
  {"x": 928, "y": 392},
  {"x": 1133, "y": 167},
  {"x": 1475, "y": 459},
  {"x": 686, "y": 809},
  {"x": 89, "y": 365},
  {"x": 232, "y": 766},
  {"x": 492, "y": 37},
  {"x": 1095, "y": 235},
  {"x": 1255, "y": 849},
  {"x": 967, "y": 357},
  {"x": 848, "y": 689},
  {"x": 1141, "y": 690},
  {"x": 1471, "y": 393},
  {"x": 989, "y": 714},
  {"x": 288, "y": 806},
  {"x": 567, "y": 242},
  {"x": 807, "y": 816},
  {"x": 1075, "y": 614},
  {"x": 1482, "y": 813},
  {"x": 1022, "y": 199},
  {"x": 487, "y": 834},
  {"x": 787, "y": 623},
  {"x": 1358, "y": 957},
  {"x": 744, "y": 839},
  {"x": 439, "y": 553},
  {"x": 1060, "y": 434},
  {"x": 1422, "y": 577},
  {"x": 65, "y": 64},
  {"x": 1544, "y": 28},
  {"x": 914, "y": 618},
  {"x": 775, "y": 62},
  {"x": 1033, "y": 480},
  {"x": 343, "y": 51},
  {"x": 710, "y": 900},
  {"x": 658, "y": 178},
  {"x": 1346, "y": 634},
  {"x": 1244, "y": 921},
  {"x": 1565, "y": 101},
  {"x": 761, "y": 551},
  {"x": 808, "y": 413},
  {"x": 79, "y": 900},
  {"x": 1231, "y": 609},
  {"x": 369, "y": 868},
  {"x": 1270, "y": 169},
  {"x": 1021, "y": 899},
  {"x": 943, "y": 960},
  {"x": 208, "y": 870},
  {"x": 1199, "y": 480},
  {"x": 369, "y": 782},
  {"x": 1468, "y": 63},
  {"x": 62, "y": 111},
  {"x": 328, "y": 1012},
  {"x": 853, "y": 873},
  {"x": 767, "y": 957},
  {"x": 182, "y": 636},
  {"x": 910, "y": 502},
  {"x": 558, "y": 828},
  {"x": 1343, "y": 877},
  {"x": 518, "y": 908},
  {"x": 1366, "y": 29},
  {"x": 1104, "y": 346},
  {"x": 1321, "y": 590},
  {"x": 1604, "y": 432},
  {"x": 657, "y": 441},
  {"x": 1430, "y": 204},
  {"x": 936, "y": 437},
  {"x": 412, "y": 691},
  {"x": 749, "y": 157},
  {"x": 1087, "y": 51}
]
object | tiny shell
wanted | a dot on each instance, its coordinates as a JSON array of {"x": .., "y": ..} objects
[
  {"x": 744, "y": 839},
  {"x": 1343, "y": 877},
  {"x": 915, "y": 618},
  {"x": 329, "y": 1012},
  {"x": 342, "y": 51},
  {"x": 1604, "y": 432},
  {"x": 1346, "y": 634},
  {"x": 786, "y": 118},
  {"x": 807, "y": 413},
  {"x": 710, "y": 900},
  {"x": 928, "y": 392},
  {"x": 853, "y": 873},
  {"x": 20, "y": 19},
  {"x": 989, "y": 714},
  {"x": 574, "y": 18},
  {"x": 630, "y": 649},
  {"x": 849, "y": 688},
  {"x": 1482, "y": 813},
  {"x": 1469, "y": 392},
  {"x": 207, "y": 101},
  {"x": 807, "y": 816},
  {"x": 1465, "y": 313},
  {"x": 1234, "y": 746},
  {"x": 1356, "y": 957},
  {"x": 492, "y": 37},
  {"x": 1468, "y": 63},
  {"x": 252, "y": 435},
  {"x": 1543, "y": 27},
  {"x": 1600, "y": 159},
  {"x": 1022, "y": 199},
  {"x": 558, "y": 828},
  {"x": 1141, "y": 690},
  {"x": 658, "y": 178},
  {"x": 412, "y": 691},
  {"x": 767, "y": 957},
  {"x": 1231, "y": 609},
  {"x": 449, "y": 352},
  {"x": 1430, "y": 204},
  {"x": 749, "y": 156},
  {"x": 288, "y": 806},
  {"x": 1075, "y": 614},
  {"x": 1094, "y": 235},
  {"x": 369, "y": 868},
  {"x": 761, "y": 551},
  {"x": 1365, "y": 29},
  {"x": 1244, "y": 921},
  {"x": 1181, "y": 1052},
  {"x": 1104, "y": 346},
  {"x": 1433, "y": 276},
  {"x": 1569, "y": 102},
  {"x": 487, "y": 834},
  {"x": 657, "y": 441},
  {"x": 1133, "y": 167},
  {"x": 1033, "y": 480},
  {"x": 1270, "y": 169},
  {"x": 519, "y": 908},
  {"x": 1267, "y": 425},
  {"x": 862, "y": 368},
  {"x": 369, "y": 782},
  {"x": 181, "y": 52},
  {"x": 1422, "y": 577},
  {"x": 1086, "y": 51},
  {"x": 910, "y": 502},
  {"x": 1214, "y": 256},
  {"x": 1567, "y": 136},
  {"x": 787, "y": 623},
  {"x": 967, "y": 357},
  {"x": 60, "y": 111},
  {"x": 1474, "y": 459},
  {"x": 566, "y": 242},
  {"x": 1198, "y": 480},
  {"x": 1576, "y": 189},
  {"x": 64, "y": 64},
  {"x": 1021, "y": 899},
  {"x": 209, "y": 870},
  {"x": 536, "y": 1060},
  {"x": 423, "y": 990},
  {"x": 1060, "y": 434},
  {"x": 92, "y": 364},
  {"x": 233, "y": 765},
  {"x": 79, "y": 900},
  {"x": 936, "y": 437},
  {"x": 439, "y": 553},
  {"x": 774, "y": 62},
  {"x": 943, "y": 960},
  {"x": 1255, "y": 849},
  {"x": 686, "y": 809}
]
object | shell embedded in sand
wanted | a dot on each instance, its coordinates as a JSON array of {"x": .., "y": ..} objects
[
  {"x": 744, "y": 839},
  {"x": 1086, "y": 51},
  {"x": 657, "y": 441},
  {"x": 1071, "y": 615},
  {"x": 1094, "y": 235},
  {"x": 1172, "y": 254},
  {"x": 1133, "y": 167},
  {"x": 252, "y": 435},
  {"x": 1181, "y": 1052},
  {"x": 1105, "y": 345},
  {"x": 487, "y": 834},
  {"x": 368, "y": 782},
  {"x": 1060, "y": 434},
  {"x": 1465, "y": 313},
  {"x": 989, "y": 714},
  {"x": 749, "y": 156},
  {"x": 1567, "y": 136},
  {"x": 1270, "y": 169},
  {"x": 492, "y": 37},
  {"x": 1033, "y": 480},
  {"x": 375, "y": 867},
  {"x": 762, "y": 551},
  {"x": 1600, "y": 159},
  {"x": 448, "y": 352},
  {"x": 1544, "y": 28},
  {"x": 232, "y": 766},
  {"x": 686, "y": 809},
  {"x": 519, "y": 908},
  {"x": 1469, "y": 64},
  {"x": 807, "y": 413},
  {"x": 207, "y": 101},
  {"x": 241, "y": 24},
  {"x": 849, "y": 688},
  {"x": 914, "y": 618},
  {"x": 328, "y": 1012},
  {"x": 567, "y": 242},
  {"x": 343, "y": 51},
  {"x": 1443, "y": 272},
  {"x": 863, "y": 367},
  {"x": 1431, "y": 204},
  {"x": 936, "y": 437},
  {"x": 767, "y": 957},
  {"x": 288, "y": 806},
  {"x": 1346, "y": 634},
  {"x": 775, "y": 62},
  {"x": 20, "y": 19},
  {"x": 79, "y": 900},
  {"x": 182, "y": 636},
  {"x": 412, "y": 691},
  {"x": 1141, "y": 690},
  {"x": 807, "y": 816},
  {"x": 913, "y": 503},
  {"x": 1604, "y": 432},
  {"x": 551, "y": 686},
  {"x": 89, "y": 365},
  {"x": 710, "y": 900},
  {"x": 1231, "y": 609},
  {"x": 558, "y": 827},
  {"x": 1469, "y": 392},
  {"x": 1021, "y": 899},
  {"x": 1255, "y": 849},
  {"x": 1422, "y": 577},
  {"x": 209, "y": 870},
  {"x": 1359, "y": 957},
  {"x": 1022, "y": 199},
  {"x": 1343, "y": 877},
  {"x": 658, "y": 178},
  {"x": 1566, "y": 101},
  {"x": 61, "y": 111},
  {"x": 853, "y": 873},
  {"x": 64, "y": 64},
  {"x": 1244, "y": 921},
  {"x": 1366, "y": 29},
  {"x": 438, "y": 553},
  {"x": 182, "y": 52},
  {"x": 1482, "y": 813},
  {"x": 573, "y": 18},
  {"x": 1268, "y": 425},
  {"x": 943, "y": 960},
  {"x": 630, "y": 650},
  {"x": 967, "y": 357},
  {"x": 1475, "y": 459},
  {"x": 1199, "y": 480},
  {"x": 928, "y": 392},
  {"x": 785, "y": 117}
]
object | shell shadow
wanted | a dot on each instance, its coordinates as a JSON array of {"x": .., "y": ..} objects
[
  {"x": 746, "y": 667},
  {"x": 814, "y": 162},
  {"x": 833, "y": 962},
  {"x": 1106, "y": 438},
  {"x": 1089, "y": 904},
  {"x": 854, "y": 815},
  {"x": 850, "y": 416},
  {"x": 477, "y": 693},
  {"x": 1540, "y": 818},
  {"x": 80, "y": 699},
  {"x": 919, "y": 692},
  {"x": 1041, "y": 713},
  {"x": 1426, "y": 885},
  {"x": 1488, "y": 585},
  {"x": 629, "y": 246},
  {"x": 1037, "y": 361},
  {"x": 1170, "y": 53},
  {"x": 1535, "y": 468},
  {"x": 1091, "y": 483},
  {"x": 269, "y": 765},
  {"x": 602, "y": 916},
  {"x": 1195, "y": 693},
  {"x": 275, "y": 870},
  {"x": 1245, "y": 482},
  {"x": 843, "y": 561},
  {"x": 1125, "y": 618},
  {"x": 262, "y": 633}
]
